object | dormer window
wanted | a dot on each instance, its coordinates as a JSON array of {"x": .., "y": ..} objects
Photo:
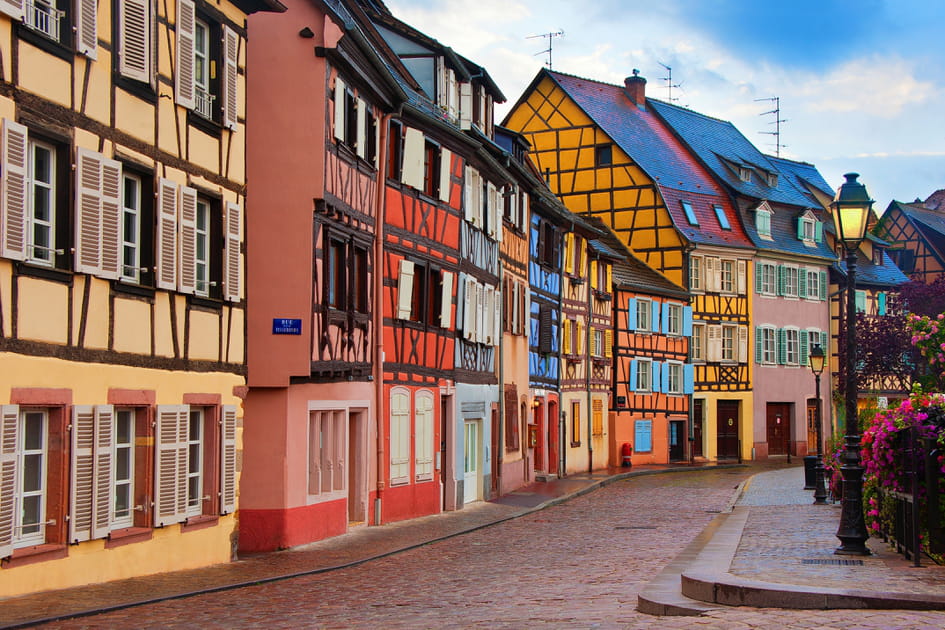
[
  {"x": 877, "y": 256},
  {"x": 809, "y": 229},
  {"x": 744, "y": 173},
  {"x": 720, "y": 215},
  {"x": 763, "y": 221},
  {"x": 772, "y": 179},
  {"x": 690, "y": 213}
]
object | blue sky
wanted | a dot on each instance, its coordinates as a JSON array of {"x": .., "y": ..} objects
[{"x": 861, "y": 84}]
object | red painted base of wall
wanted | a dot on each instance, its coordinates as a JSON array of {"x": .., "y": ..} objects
[
  {"x": 269, "y": 530},
  {"x": 410, "y": 501}
]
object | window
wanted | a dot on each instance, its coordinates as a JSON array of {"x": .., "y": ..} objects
[
  {"x": 790, "y": 281},
  {"x": 644, "y": 380},
  {"x": 202, "y": 46},
  {"x": 813, "y": 284},
  {"x": 765, "y": 345},
  {"x": 202, "y": 248},
  {"x": 603, "y": 155},
  {"x": 575, "y": 423},
  {"x": 425, "y": 295},
  {"x": 771, "y": 180},
  {"x": 744, "y": 173},
  {"x": 123, "y": 469},
  {"x": 431, "y": 169},
  {"x": 423, "y": 435},
  {"x": 131, "y": 228},
  {"x": 195, "y": 468},
  {"x": 720, "y": 215},
  {"x": 41, "y": 218},
  {"x": 674, "y": 377},
  {"x": 359, "y": 279},
  {"x": 792, "y": 346},
  {"x": 697, "y": 342},
  {"x": 46, "y": 17},
  {"x": 346, "y": 274},
  {"x": 327, "y": 440},
  {"x": 859, "y": 299},
  {"x": 395, "y": 147},
  {"x": 674, "y": 319},
  {"x": 598, "y": 342},
  {"x": 644, "y": 313},
  {"x": 765, "y": 280},
  {"x": 806, "y": 230},
  {"x": 727, "y": 276},
  {"x": 763, "y": 222},
  {"x": 203, "y": 99},
  {"x": 695, "y": 273},
  {"x": 728, "y": 343},
  {"x": 32, "y": 460},
  {"x": 690, "y": 213}
]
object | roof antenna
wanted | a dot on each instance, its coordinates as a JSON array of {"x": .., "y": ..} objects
[
  {"x": 776, "y": 122},
  {"x": 669, "y": 82},
  {"x": 550, "y": 36}
]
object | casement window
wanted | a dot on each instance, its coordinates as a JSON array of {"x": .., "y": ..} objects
[
  {"x": 720, "y": 215},
  {"x": 132, "y": 213},
  {"x": 395, "y": 148},
  {"x": 399, "y": 436},
  {"x": 41, "y": 217},
  {"x": 645, "y": 315},
  {"x": 32, "y": 460},
  {"x": 809, "y": 228},
  {"x": 727, "y": 275},
  {"x": 766, "y": 345},
  {"x": 859, "y": 299},
  {"x": 431, "y": 169},
  {"x": 642, "y": 374},
  {"x": 771, "y": 179},
  {"x": 765, "y": 278},
  {"x": 336, "y": 283},
  {"x": 695, "y": 273},
  {"x": 201, "y": 46},
  {"x": 123, "y": 469},
  {"x": 729, "y": 334},
  {"x": 697, "y": 347},
  {"x": 345, "y": 269},
  {"x": 689, "y": 212},
  {"x": 788, "y": 281},
  {"x": 598, "y": 351},
  {"x": 744, "y": 173},
  {"x": 816, "y": 288},
  {"x": 575, "y": 423},
  {"x": 201, "y": 248},
  {"x": 810, "y": 338},
  {"x": 515, "y": 311},
  {"x": 424, "y": 293},
  {"x": 195, "y": 467},
  {"x": 603, "y": 155},
  {"x": 674, "y": 377},
  {"x": 673, "y": 319},
  {"x": 327, "y": 452},
  {"x": 791, "y": 345},
  {"x": 135, "y": 33},
  {"x": 549, "y": 244},
  {"x": 763, "y": 222},
  {"x": 423, "y": 435}
]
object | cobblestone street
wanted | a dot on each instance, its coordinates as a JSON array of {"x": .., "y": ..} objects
[{"x": 579, "y": 564}]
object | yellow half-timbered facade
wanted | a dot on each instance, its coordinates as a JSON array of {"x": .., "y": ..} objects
[{"x": 121, "y": 298}]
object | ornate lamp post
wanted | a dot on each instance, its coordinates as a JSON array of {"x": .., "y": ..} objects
[
  {"x": 817, "y": 360},
  {"x": 850, "y": 211}
]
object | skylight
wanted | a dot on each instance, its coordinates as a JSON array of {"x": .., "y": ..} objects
[
  {"x": 720, "y": 215},
  {"x": 690, "y": 214}
]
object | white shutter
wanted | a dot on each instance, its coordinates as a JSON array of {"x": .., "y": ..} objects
[
  {"x": 9, "y": 423},
  {"x": 361, "y": 142},
  {"x": 441, "y": 82},
  {"x": 446, "y": 158},
  {"x": 339, "y": 109},
  {"x": 399, "y": 436},
  {"x": 412, "y": 174},
  {"x": 452, "y": 105},
  {"x": 468, "y": 185},
  {"x": 465, "y": 105},
  {"x": 13, "y": 188},
  {"x": 111, "y": 250},
  {"x": 523, "y": 222},
  {"x": 170, "y": 478},
  {"x": 741, "y": 278},
  {"x": 228, "y": 460},
  {"x": 405, "y": 289},
  {"x": 82, "y": 471},
  {"x": 134, "y": 40},
  {"x": 13, "y": 8},
  {"x": 423, "y": 419},
  {"x": 446, "y": 299},
  {"x": 88, "y": 212},
  {"x": 187, "y": 224},
  {"x": 480, "y": 300},
  {"x": 714, "y": 343},
  {"x": 496, "y": 316},
  {"x": 743, "y": 344},
  {"x": 469, "y": 303},
  {"x": 233, "y": 272},
  {"x": 230, "y": 108},
  {"x": 166, "y": 271},
  {"x": 712, "y": 280},
  {"x": 184, "y": 84},
  {"x": 488, "y": 315},
  {"x": 102, "y": 505},
  {"x": 492, "y": 209},
  {"x": 86, "y": 25}
]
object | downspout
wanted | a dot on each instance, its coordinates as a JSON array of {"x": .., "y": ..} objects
[
  {"x": 587, "y": 365},
  {"x": 500, "y": 439},
  {"x": 562, "y": 427}
]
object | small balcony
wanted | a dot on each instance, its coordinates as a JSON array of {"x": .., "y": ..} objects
[
  {"x": 43, "y": 16},
  {"x": 203, "y": 102}
]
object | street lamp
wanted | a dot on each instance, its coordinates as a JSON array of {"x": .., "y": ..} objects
[
  {"x": 850, "y": 210},
  {"x": 817, "y": 359}
]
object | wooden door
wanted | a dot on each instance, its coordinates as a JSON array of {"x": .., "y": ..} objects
[
  {"x": 778, "y": 422},
  {"x": 677, "y": 440},
  {"x": 470, "y": 461},
  {"x": 727, "y": 429},
  {"x": 812, "y": 426},
  {"x": 553, "y": 438},
  {"x": 539, "y": 438},
  {"x": 698, "y": 414}
]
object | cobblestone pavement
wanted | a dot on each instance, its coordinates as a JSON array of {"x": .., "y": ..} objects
[{"x": 579, "y": 564}]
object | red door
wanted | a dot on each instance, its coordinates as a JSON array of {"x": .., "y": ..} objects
[
  {"x": 539, "y": 438},
  {"x": 778, "y": 428},
  {"x": 553, "y": 437}
]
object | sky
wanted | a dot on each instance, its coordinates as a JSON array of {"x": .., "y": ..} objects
[{"x": 861, "y": 83}]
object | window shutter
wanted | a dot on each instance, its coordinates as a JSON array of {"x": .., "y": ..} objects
[
  {"x": 881, "y": 303},
  {"x": 86, "y": 25},
  {"x": 400, "y": 436},
  {"x": 743, "y": 344},
  {"x": 412, "y": 174},
  {"x": 803, "y": 343},
  {"x": 655, "y": 317},
  {"x": 170, "y": 478},
  {"x": 689, "y": 378},
  {"x": 465, "y": 105},
  {"x": 491, "y": 206},
  {"x": 13, "y": 175},
  {"x": 523, "y": 222},
  {"x": 452, "y": 97},
  {"x": 566, "y": 338},
  {"x": 111, "y": 219},
  {"x": 608, "y": 343},
  {"x": 593, "y": 274},
  {"x": 759, "y": 276},
  {"x": 687, "y": 321},
  {"x": 782, "y": 346},
  {"x": 339, "y": 109},
  {"x": 230, "y": 107},
  {"x": 569, "y": 253},
  {"x": 664, "y": 377},
  {"x": 711, "y": 274},
  {"x": 233, "y": 283},
  {"x": 525, "y": 309},
  {"x": 468, "y": 185},
  {"x": 497, "y": 316},
  {"x": 488, "y": 315},
  {"x": 102, "y": 504},
  {"x": 446, "y": 298},
  {"x": 88, "y": 212},
  {"x": 759, "y": 344},
  {"x": 741, "y": 277},
  {"x": 802, "y": 283},
  {"x": 581, "y": 246},
  {"x": 13, "y": 8},
  {"x": 823, "y": 285},
  {"x": 545, "y": 324},
  {"x": 480, "y": 308},
  {"x": 423, "y": 419},
  {"x": 579, "y": 337},
  {"x": 82, "y": 470},
  {"x": 716, "y": 274},
  {"x": 823, "y": 342},
  {"x": 655, "y": 375},
  {"x": 715, "y": 342},
  {"x": 632, "y": 314},
  {"x": 9, "y": 423},
  {"x": 609, "y": 286},
  {"x": 632, "y": 383},
  {"x": 167, "y": 235},
  {"x": 664, "y": 320},
  {"x": 441, "y": 82},
  {"x": 228, "y": 460},
  {"x": 361, "y": 139},
  {"x": 184, "y": 84},
  {"x": 446, "y": 164},
  {"x": 134, "y": 40},
  {"x": 859, "y": 298},
  {"x": 187, "y": 224},
  {"x": 818, "y": 231},
  {"x": 405, "y": 289}
]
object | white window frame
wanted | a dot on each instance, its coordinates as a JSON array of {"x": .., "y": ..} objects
[
  {"x": 769, "y": 279},
  {"x": 644, "y": 375},
  {"x": 43, "y": 16},
  {"x": 813, "y": 284},
  {"x": 123, "y": 481},
  {"x": 792, "y": 346},
  {"x": 769, "y": 347},
  {"x": 202, "y": 248},
  {"x": 697, "y": 342},
  {"x": 37, "y": 537},
  {"x": 727, "y": 276},
  {"x": 674, "y": 318},
  {"x": 674, "y": 377},
  {"x": 47, "y": 253},
  {"x": 696, "y": 275},
  {"x": 203, "y": 98},
  {"x": 729, "y": 352},
  {"x": 131, "y": 222},
  {"x": 809, "y": 229},
  {"x": 644, "y": 315},
  {"x": 791, "y": 281},
  {"x": 196, "y": 419}
]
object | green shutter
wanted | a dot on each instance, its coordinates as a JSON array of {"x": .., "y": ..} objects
[
  {"x": 800, "y": 228},
  {"x": 802, "y": 338},
  {"x": 818, "y": 231},
  {"x": 781, "y": 282},
  {"x": 823, "y": 285},
  {"x": 802, "y": 283},
  {"x": 759, "y": 276},
  {"x": 759, "y": 344},
  {"x": 782, "y": 346}
]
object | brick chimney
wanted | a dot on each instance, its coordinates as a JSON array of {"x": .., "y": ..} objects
[{"x": 635, "y": 89}]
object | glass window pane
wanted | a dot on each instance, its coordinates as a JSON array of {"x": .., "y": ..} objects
[{"x": 32, "y": 473}]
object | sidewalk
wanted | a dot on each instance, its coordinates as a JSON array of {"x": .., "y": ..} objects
[{"x": 753, "y": 554}]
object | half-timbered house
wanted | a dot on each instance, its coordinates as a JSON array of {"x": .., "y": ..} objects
[
  {"x": 915, "y": 233},
  {"x": 607, "y": 154},
  {"x": 653, "y": 379},
  {"x": 312, "y": 253},
  {"x": 121, "y": 287}
]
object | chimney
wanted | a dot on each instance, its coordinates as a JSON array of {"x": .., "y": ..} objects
[{"x": 635, "y": 89}]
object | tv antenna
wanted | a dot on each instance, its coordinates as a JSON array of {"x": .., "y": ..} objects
[
  {"x": 776, "y": 122},
  {"x": 550, "y": 36},
  {"x": 669, "y": 82}
]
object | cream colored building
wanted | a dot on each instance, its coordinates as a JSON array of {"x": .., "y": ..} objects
[{"x": 122, "y": 187}]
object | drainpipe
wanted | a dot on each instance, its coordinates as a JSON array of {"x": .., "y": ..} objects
[
  {"x": 500, "y": 439},
  {"x": 587, "y": 365}
]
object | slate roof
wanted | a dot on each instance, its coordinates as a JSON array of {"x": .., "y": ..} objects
[
  {"x": 784, "y": 230},
  {"x": 803, "y": 174},
  {"x": 930, "y": 222},
  {"x": 644, "y": 137},
  {"x": 870, "y": 275},
  {"x": 629, "y": 272}
]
